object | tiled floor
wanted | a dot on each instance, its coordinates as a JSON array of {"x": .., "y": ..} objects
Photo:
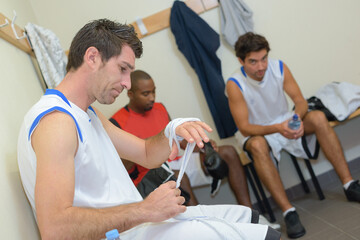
[
  {"x": 334, "y": 218},
  {"x": 330, "y": 219}
]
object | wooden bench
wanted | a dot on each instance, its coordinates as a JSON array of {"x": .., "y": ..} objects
[{"x": 256, "y": 185}]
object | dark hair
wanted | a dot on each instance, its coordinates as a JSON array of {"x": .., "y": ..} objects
[
  {"x": 107, "y": 36},
  {"x": 250, "y": 42},
  {"x": 136, "y": 76}
]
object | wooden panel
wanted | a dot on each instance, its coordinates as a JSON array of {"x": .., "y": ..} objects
[
  {"x": 161, "y": 20},
  {"x": 156, "y": 22},
  {"x": 7, "y": 34},
  {"x": 353, "y": 115},
  {"x": 196, "y": 5},
  {"x": 210, "y": 4}
]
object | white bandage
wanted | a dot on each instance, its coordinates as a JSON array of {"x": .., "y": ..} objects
[
  {"x": 171, "y": 135},
  {"x": 170, "y": 132}
]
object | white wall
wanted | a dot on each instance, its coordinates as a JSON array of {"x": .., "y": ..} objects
[
  {"x": 317, "y": 39},
  {"x": 20, "y": 88}
]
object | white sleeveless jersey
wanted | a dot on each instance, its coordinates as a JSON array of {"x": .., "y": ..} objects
[
  {"x": 265, "y": 100},
  {"x": 101, "y": 179}
]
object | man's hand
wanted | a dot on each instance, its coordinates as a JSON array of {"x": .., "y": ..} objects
[
  {"x": 164, "y": 202},
  {"x": 289, "y": 133},
  {"x": 214, "y": 145},
  {"x": 191, "y": 132}
]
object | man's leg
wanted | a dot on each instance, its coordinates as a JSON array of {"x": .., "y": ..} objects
[
  {"x": 236, "y": 177},
  {"x": 270, "y": 177},
  {"x": 316, "y": 122},
  {"x": 267, "y": 171},
  {"x": 185, "y": 184},
  {"x": 211, "y": 222}
]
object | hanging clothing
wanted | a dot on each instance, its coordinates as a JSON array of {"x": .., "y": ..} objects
[
  {"x": 341, "y": 98},
  {"x": 199, "y": 42},
  {"x": 49, "y": 54},
  {"x": 236, "y": 20}
]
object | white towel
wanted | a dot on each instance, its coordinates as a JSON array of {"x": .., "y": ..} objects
[
  {"x": 49, "y": 54},
  {"x": 341, "y": 99}
]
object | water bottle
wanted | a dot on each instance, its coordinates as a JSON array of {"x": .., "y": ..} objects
[
  {"x": 113, "y": 235},
  {"x": 294, "y": 123}
]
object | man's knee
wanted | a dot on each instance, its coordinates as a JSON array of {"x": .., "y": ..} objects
[
  {"x": 229, "y": 154},
  {"x": 316, "y": 118},
  {"x": 257, "y": 145}
]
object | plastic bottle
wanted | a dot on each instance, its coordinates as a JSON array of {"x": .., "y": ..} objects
[
  {"x": 295, "y": 122},
  {"x": 113, "y": 235}
]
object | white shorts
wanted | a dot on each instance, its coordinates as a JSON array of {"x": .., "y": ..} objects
[
  {"x": 206, "y": 223},
  {"x": 278, "y": 142},
  {"x": 193, "y": 170}
]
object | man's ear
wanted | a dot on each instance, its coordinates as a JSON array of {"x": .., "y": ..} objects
[
  {"x": 241, "y": 61},
  {"x": 92, "y": 57},
  {"x": 130, "y": 94}
]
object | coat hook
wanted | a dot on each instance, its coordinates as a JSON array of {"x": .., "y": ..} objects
[
  {"x": 5, "y": 24},
  {"x": 203, "y": 4},
  {"x": 141, "y": 26},
  {"x": 14, "y": 30}
]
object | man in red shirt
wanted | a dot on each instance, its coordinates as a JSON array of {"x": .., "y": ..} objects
[{"x": 144, "y": 117}]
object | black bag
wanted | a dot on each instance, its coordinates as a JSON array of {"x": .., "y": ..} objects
[
  {"x": 315, "y": 103},
  {"x": 154, "y": 178}
]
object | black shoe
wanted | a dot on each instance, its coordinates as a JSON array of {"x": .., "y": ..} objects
[
  {"x": 294, "y": 228},
  {"x": 353, "y": 192},
  {"x": 215, "y": 186}
]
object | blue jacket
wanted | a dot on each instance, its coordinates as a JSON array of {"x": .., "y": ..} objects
[{"x": 199, "y": 42}]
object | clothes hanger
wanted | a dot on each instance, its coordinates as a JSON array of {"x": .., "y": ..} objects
[
  {"x": 14, "y": 30},
  {"x": 5, "y": 24}
]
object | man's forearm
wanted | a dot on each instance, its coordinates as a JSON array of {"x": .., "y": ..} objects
[
  {"x": 301, "y": 109},
  {"x": 86, "y": 223},
  {"x": 259, "y": 130},
  {"x": 157, "y": 150}
]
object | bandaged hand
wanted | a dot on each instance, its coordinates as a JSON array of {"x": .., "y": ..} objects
[{"x": 190, "y": 129}]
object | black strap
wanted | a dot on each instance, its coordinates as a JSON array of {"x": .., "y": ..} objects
[
  {"x": 306, "y": 148},
  {"x": 114, "y": 122},
  {"x": 134, "y": 174}
]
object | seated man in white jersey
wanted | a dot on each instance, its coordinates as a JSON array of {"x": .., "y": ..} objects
[
  {"x": 69, "y": 156},
  {"x": 144, "y": 117},
  {"x": 256, "y": 93}
]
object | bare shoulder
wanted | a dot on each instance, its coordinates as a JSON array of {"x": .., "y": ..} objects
[
  {"x": 231, "y": 87},
  {"x": 56, "y": 120},
  {"x": 287, "y": 72},
  {"x": 233, "y": 91},
  {"x": 55, "y": 130}
]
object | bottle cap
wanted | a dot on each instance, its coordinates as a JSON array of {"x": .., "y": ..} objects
[
  {"x": 112, "y": 234},
  {"x": 295, "y": 117}
]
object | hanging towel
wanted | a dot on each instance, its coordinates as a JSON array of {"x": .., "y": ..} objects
[
  {"x": 49, "y": 54},
  {"x": 236, "y": 20},
  {"x": 199, "y": 42},
  {"x": 341, "y": 98}
]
